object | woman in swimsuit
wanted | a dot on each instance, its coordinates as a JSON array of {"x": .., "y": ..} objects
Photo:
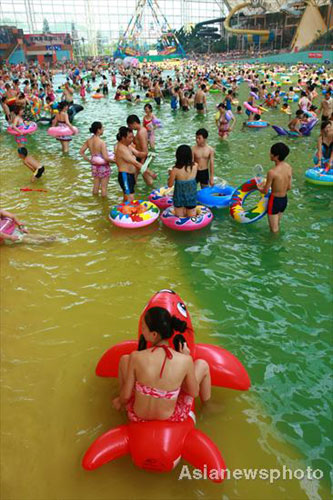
[
  {"x": 100, "y": 170},
  {"x": 160, "y": 383},
  {"x": 62, "y": 119},
  {"x": 223, "y": 123}
]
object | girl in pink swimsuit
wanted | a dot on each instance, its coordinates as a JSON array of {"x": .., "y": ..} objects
[
  {"x": 160, "y": 383},
  {"x": 148, "y": 123},
  {"x": 82, "y": 90}
]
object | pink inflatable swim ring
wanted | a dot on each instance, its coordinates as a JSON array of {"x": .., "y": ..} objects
[
  {"x": 7, "y": 225},
  {"x": 99, "y": 160},
  {"x": 203, "y": 218},
  {"x": 162, "y": 197},
  {"x": 61, "y": 131},
  {"x": 24, "y": 129},
  {"x": 250, "y": 108},
  {"x": 135, "y": 214}
]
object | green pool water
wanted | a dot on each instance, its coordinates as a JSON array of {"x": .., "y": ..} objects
[{"x": 266, "y": 298}]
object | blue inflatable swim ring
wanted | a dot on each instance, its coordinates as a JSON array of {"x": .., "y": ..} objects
[
  {"x": 257, "y": 124},
  {"x": 215, "y": 196},
  {"x": 319, "y": 177}
]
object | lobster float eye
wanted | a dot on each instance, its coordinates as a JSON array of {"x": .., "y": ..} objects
[{"x": 182, "y": 309}]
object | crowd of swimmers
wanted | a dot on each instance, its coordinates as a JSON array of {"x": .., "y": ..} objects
[{"x": 25, "y": 91}]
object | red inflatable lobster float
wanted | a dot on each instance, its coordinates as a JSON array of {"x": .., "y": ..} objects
[{"x": 159, "y": 445}]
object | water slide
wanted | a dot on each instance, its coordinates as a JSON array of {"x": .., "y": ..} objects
[
  {"x": 211, "y": 21},
  {"x": 238, "y": 31},
  {"x": 311, "y": 27}
]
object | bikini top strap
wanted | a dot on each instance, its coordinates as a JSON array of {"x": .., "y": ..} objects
[{"x": 168, "y": 355}]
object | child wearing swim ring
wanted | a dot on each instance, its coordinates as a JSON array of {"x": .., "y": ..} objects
[
  {"x": 19, "y": 124},
  {"x": 160, "y": 383},
  {"x": 183, "y": 177},
  {"x": 100, "y": 159},
  {"x": 286, "y": 108},
  {"x": 61, "y": 119}
]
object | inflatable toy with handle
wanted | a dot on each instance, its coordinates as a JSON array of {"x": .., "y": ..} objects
[
  {"x": 7, "y": 225},
  {"x": 24, "y": 129},
  {"x": 158, "y": 445},
  {"x": 305, "y": 130},
  {"x": 162, "y": 197}
]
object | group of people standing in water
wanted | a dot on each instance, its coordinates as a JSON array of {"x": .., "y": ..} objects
[
  {"x": 161, "y": 382},
  {"x": 193, "y": 165}
]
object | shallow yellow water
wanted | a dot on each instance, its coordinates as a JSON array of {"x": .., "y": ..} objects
[{"x": 63, "y": 305}]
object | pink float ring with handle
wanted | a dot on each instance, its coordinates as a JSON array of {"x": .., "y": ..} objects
[
  {"x": 202, "y": 218},
  {"x": 7, "y": 225},
  {"x": 134, "y": 214},
  {"x": 162, "y": 197},
  {"x": 99, "y": 160},
  {"x": 250, "y": 108},
  {"x": 62, "y": 131},
  {"x": 24, "y": 129}
]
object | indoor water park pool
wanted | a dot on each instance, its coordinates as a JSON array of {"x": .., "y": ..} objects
[{"x": 266, "y": 298}]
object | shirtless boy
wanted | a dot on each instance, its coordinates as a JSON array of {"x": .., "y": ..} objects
[
  {"x": 203, "y": 155},
  {"x": 326, "y": 107},
  {"x": 200, "y": 102},
  {"x": 31, "y": 162},
  {"x": 127, "y": 165},
  {"x": 279, "y": 181},
  {"x": 141, "y": 145},
  {"x": 68, "y": 93}
]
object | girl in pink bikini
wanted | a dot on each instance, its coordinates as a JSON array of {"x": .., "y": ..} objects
[{"x": 160, "y": 383}]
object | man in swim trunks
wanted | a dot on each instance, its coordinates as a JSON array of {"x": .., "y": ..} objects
[
  {"x": 200, "y": 102},
  {"x": 127, "y": 165},
  {"x": 279, "y": 181},
  {"x": 326, "y": 107},
  {"x": 68, "y": 94},
  {"x": 31, "y": 162},
  {"x": 203, "y": 155},
  {"x": 141, "y": 145},
  {"x": 157, "y": 92}
]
